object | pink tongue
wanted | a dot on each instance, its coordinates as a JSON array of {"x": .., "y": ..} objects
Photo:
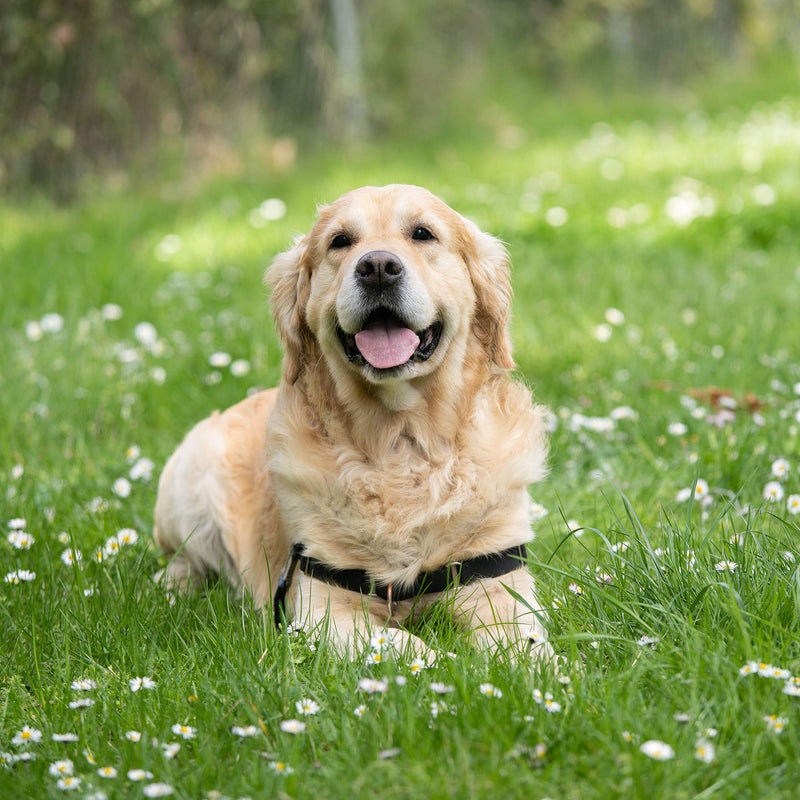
[{"x": 386, "y": 343}]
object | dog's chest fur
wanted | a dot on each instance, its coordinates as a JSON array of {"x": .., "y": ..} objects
[{"x": 407, "y": 507}]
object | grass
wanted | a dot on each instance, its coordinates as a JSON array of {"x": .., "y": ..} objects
[{"x": 707, "y": 302}]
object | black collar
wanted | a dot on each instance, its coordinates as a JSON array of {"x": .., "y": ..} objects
[{"x": 454, "y": 573}]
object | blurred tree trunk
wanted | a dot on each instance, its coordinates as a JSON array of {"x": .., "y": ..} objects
[{"x": 350, "y": 106}]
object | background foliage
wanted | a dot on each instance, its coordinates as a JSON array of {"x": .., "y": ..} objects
[{"x": 90, "y": 84}]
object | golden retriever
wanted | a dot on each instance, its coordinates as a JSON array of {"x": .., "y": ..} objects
[{"x": 397, "y": 444}]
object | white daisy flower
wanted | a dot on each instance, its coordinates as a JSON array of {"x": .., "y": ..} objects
[
  {"x": 84, "y": 702},
  {"x": 281, "y": 767},
  {"x": 219, "y": 360},
  {"x": 127, "y": 536},
  {"x": 171, "y": 749},
  {"x": 793, "y": 503},
  {"x": 245, "y": 732},
  {"x": 780, "y": 468},
  {"x": 17, "y": 524},
  {"x": 69, "y": 784},
  {"x": 359, "y": 711},
  {"x": 792, "y": 689},
  {"x": 84, "y": 685},
  {"x": 111, "y": 312},
  {"x": 773, "y": 492},
  {"x": 141, "y": 683},
  {"x": 776, "y": 724},
  {"x": 660, "y": 751},
  {"x": 139, "y": 775},
  {"x": 750, "y": 668},
  {"x": 307, "y": 707},
  {"x": 184, "y": 731},
  {"x": 63, "y": 767},
  {"x": 704, "y": 751},
  {"x": 142, "y": 470},
  {"x": 133, "y": 736},
  {"x": 71, "y": 556},
  {"x": 121, "y": 487},
  {"x": 157, "y": 790},
  {"x": 372, "y": 686},
  {"x": 21, "y": 540},
  {"x": 293, "y": 726},
  {"x": 416, "y": 666},
  {"x": 240, "y": 367},
  {"x": 27, "y": 736},
  {"x": 677, "y": 429},
  {"x": 20, "y": 576},
  {"x": 441, "y": 688},
  {"x": 726, "y": 566},
  {"x": 488, "y": 690},
  {"x": 65, "y": 737},
  {"x": 107, "y": 772},
  {"x": 382, "y": 640}
]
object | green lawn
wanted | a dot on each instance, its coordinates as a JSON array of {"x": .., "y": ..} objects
[{"x": 657, "y": 288}]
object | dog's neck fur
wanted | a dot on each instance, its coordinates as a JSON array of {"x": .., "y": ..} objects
[{"x": 429, "y": 411}]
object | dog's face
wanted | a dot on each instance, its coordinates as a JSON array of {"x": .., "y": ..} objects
[{"x": 390, "y": 284}]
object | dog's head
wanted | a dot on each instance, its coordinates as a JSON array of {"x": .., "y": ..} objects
[{"x": 390, "y": 285}]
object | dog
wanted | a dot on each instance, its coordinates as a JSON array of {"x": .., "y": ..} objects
[{"x": 389, "y": 469}]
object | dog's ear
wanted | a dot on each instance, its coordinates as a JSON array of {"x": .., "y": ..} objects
[
  {"x": 289, "y": 281},
  {"x": 490, "y": 270}
]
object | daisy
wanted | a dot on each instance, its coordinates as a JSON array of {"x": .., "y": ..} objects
[
  {"x": 551, "y": 705},
  {"x": 65, "y": 737},
  {"x": 773, "y": 492},
  {"x": 281, "y": 767},
  {"x": 677, "y": 429},
  {"x": 726, "y": 566},
  {"x": 127, "y": 536},
  {"x": 111, "y": 312},
  {"x": 84, "y": 685},
  {"x": 20, "y": 540},
  {"x": 441, "y": 688},
  {"x": 792, "y": 689},
  {"x": 416, "y": 666},
  {"x": 240, "y": 368},
  {"x": 244, "y": 733},
  {"x": 375, "y": 657},
  {"x": 184, "y": 731},
  {"x": 490, "y": 691},
  {"x": 71, "y": 556},
  {"x": 779, "y": 468},
  {"x": 121, "y": 487},
  {"x": 293, "y": 726},
  {"x": 400, "y": 680},
  {"x": 69, "y": 784},
  {"x": 17, "y": 524},
  {"x": 659, "y": 751},
  {"x": 793, "y": 503},
  {"x": 157, "y": 790},
  {"x": 537, "y": 511},
  {"x": 20, "y": 576},
  {"x": 381, "y": 640},
  {"x": 141, "y": 683},
  {"x": 111, "y": 547},
  {"x": 133, "y": 736},
  {"x": 219, "y": 360},
  {"x": 371, "y": 686},
  {"x": 142, "y": 470},
  {"x": 84, "y": 702},
  {"x": 750, "y": 668},
  {"x": 63, "y": 767},
  {"x": 170, "y": 749},
  {"x": 307, "y": 707},
  {"x": 27, "y": 736},
  {"x": 439, "y": 707},
  {"x": 776, "y": 724},
  {"x": 704, "y": 751},
  {"x": 139, "y": 775},
  {"x": 648, "y": 641},
  {"x": 766, "y": 670},
  {"x": 359, "y": 711},
  {"x": 107, "y": 772}
]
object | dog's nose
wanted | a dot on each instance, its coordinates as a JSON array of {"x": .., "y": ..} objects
[{"x": 379, "y": 269}]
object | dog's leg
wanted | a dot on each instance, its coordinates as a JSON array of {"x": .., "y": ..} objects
[
  {"x": 503, "y": 619},
  {"x": 350, "y": 620}
]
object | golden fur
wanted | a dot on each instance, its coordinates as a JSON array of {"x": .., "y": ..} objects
[{"x": 394, "y": 474}]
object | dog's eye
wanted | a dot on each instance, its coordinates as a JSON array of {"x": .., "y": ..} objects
[
  {"x": 340, "y": 241},
  {"x": 422, "y": 234}
]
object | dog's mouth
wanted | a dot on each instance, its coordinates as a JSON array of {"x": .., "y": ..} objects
[{"x": 385, "y": 342}]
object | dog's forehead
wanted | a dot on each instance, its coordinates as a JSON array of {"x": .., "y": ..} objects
[{"x": 384, "y": 209}]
